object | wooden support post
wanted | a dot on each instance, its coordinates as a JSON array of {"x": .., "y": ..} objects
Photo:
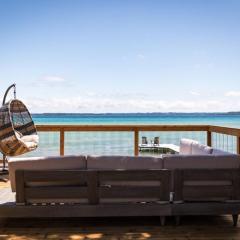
[
  {"x": 238, "y": 145},
  {"x": 235, "y": 219},
  {"x": 209, "y": 138},
  {"x": 178, "y": 185},
  {"x": 162, "y": 220},
  {"x": 62, "y": 135},
  {"x": 92, "y": 186},
  {"x": 177, "y": 220},
  {"x": 136, "y": 136},
  {"x": 20, "y": 187}
]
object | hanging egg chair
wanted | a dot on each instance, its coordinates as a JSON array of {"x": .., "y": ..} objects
[{"x": 18, "y": 134}]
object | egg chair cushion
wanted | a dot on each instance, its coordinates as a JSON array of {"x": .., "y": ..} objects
[
  {"x": 30, "y": 138},
  {"x": 30, "y": 141},
  {"x": 31, "y": 145}
]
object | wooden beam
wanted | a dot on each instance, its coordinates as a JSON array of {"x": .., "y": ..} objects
[
  {"x": 238, "y": 145},
  {"x": 87, "y": 210}
]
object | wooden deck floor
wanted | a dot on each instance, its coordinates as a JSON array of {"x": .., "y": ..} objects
[{"x": 192, "y": 228}]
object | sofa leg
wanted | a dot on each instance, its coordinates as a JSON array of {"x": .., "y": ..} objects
[
  {"x": 162, "y": 220},
  {"x": 235, "y": 219},
  {"x": 177, "y": 220}
]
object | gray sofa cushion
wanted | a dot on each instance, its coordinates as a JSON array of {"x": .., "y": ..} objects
[
  {"x": 123, "y": 162},
  {"x": 44, "y": 163},
  {"x": 220, "y": 152},
  {"x": 200, "y": 149},
  {"x": 201, "y": 161},
  {"x": 186, "y": 146}
]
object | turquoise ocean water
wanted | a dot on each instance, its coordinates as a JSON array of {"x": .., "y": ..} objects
[
  {"x": 122, "y": 142},
  {"x": 231, "y": 120}
]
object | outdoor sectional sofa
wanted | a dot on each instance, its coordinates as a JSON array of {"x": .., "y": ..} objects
[{"x": 102, "y": 186}]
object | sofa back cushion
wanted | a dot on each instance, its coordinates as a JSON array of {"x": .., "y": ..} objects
[
  {"x": 220, "y": 152},
  {"x": 200, "y": 149},
  {"x": 44, "y": 163},
  {"x": 123, "y": 162},
  {"x": 201, "y": 161},
  {"x": 186, "y": 146}
]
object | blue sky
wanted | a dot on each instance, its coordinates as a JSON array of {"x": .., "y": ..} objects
[{"x": 122, "y": 56}]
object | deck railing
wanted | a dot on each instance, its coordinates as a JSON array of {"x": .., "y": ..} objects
[{"x": 220, "y": 137}]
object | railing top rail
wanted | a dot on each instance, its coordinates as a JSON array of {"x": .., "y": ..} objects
[
  {"x": 210, "y": 128},
  {"x": 225, "y": 130},
  {"x": 122, "y": 127}
]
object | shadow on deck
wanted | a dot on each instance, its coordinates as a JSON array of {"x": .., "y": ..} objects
[
  {"x": 120, "y": 228},
  {"x": 191, "y": 228}
]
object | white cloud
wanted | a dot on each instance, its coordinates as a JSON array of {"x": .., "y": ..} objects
[
  {"x": 103, "y": 104},
  {"x": 194, "y": 93},
  {"x": 232, "y": 94},
  {"x": 53, "y": 78}
]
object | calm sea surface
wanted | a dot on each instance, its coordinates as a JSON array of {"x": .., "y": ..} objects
[
  {"x": 231, "y": 120},
  {"x": 121, "y": 143}
]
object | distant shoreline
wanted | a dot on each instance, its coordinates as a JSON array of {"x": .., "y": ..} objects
[{"x": 139, "y": 114}]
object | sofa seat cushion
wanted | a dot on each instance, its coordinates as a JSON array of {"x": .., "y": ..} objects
[
  {"x": 44, "y": 163},
  {"x": 200, "y": 149},
  {"x": 201, "y": 161},
  {"x": 123, "y": 162},
  {"x": 186, "y": 146}
]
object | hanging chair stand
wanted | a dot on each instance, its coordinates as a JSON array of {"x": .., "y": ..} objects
[
  {"x": 6, "y": 93},
  {"x": 18, "y": 134},
  {"x": 4, "y": 169}
]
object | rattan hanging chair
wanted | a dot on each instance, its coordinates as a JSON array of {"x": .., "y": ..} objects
[{"x": 18, "y": 134}]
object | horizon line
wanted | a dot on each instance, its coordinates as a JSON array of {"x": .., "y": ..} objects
[{"x": 133, "y": 113}]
